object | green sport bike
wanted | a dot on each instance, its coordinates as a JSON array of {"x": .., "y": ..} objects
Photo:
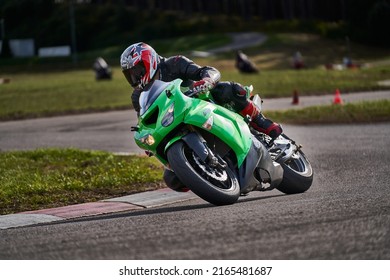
[{"x": 212, "y": 150}]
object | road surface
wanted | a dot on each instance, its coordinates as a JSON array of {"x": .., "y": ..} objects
[{"x": 345, "y": 215}]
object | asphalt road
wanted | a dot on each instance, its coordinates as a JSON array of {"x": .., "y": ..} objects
[
  {"x": 109, "y": 131},
  {"x": 345, "y": 215}
]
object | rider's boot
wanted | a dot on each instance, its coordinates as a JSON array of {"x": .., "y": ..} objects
[{"x": 259, "y": 122}]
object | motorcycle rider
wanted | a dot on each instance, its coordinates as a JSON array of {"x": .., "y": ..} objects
[{"x": 141, "y": 65}]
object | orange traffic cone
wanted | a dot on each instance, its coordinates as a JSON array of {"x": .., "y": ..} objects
[
  {"x": 337, "y": 98},
  {"x": 295, "y": 100}
]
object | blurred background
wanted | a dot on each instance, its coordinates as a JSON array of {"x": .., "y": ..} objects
[
  {"x": 50, "y": 48},
  {"x": 105, "y": 27}
]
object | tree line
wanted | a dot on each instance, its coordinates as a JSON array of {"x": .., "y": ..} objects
[
  {"x": 102, "y": 23},
  {"x": 266, "y": 9}
]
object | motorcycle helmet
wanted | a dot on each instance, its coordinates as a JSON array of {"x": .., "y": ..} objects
[{"x": 139, "y": 63}]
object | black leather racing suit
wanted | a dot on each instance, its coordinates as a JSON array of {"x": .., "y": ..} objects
[{"x": 228, "y": 94}]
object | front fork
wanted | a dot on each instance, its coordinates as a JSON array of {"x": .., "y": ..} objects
[{"x": 196, "y": 142}]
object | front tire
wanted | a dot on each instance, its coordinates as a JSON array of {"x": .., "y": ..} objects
[{"x": 216, "y": 185}]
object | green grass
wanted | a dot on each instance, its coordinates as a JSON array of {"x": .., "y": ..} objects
[
  {"x": 360, "y": 112},
  {"x": 46, "y": 178},
  {"x": 45, "y": 94},
  {"x": 281, "y": 83}
]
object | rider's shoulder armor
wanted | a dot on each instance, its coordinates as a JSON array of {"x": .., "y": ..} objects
[{"x": 182, "y": 67}]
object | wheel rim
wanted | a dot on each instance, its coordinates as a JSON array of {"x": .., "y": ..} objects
[
  {"x": 284, "y": 151},
  {"x": 217, "y": 176},
  {"x": 298, "y": 163}
]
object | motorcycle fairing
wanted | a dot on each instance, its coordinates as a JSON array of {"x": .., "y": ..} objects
[
  {"x": 227, "y": 125},
  {"x": 250, "y": 173},
  {"x": 267, "y": 169}
]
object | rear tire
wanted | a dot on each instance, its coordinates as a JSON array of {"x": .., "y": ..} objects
[
  {"x": 215, "y": 185},
  {"x": 297, "y": 176}
]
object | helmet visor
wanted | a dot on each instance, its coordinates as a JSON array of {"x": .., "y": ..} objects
[{"x": 135, "y": 74}]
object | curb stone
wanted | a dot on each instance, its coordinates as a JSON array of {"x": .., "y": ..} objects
[{"x": 127, "y": 203}]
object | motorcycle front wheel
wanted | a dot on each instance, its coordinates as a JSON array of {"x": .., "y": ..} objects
[{"x": 217, "y": 185}]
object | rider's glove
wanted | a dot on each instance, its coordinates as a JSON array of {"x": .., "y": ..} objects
[{"x": 202, "y": 86}]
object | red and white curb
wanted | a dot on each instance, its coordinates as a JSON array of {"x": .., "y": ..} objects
[{"x": 126, "y": 203}]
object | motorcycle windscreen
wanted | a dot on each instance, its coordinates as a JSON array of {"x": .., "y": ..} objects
[{"x": 150, "y": 95}]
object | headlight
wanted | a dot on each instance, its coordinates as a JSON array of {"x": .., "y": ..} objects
[
  {"x": 168, "y": 117},
  {"x": 148, "y": 140}
]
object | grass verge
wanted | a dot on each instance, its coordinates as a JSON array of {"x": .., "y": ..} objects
[
  {"x": 360, "y": 112},
  {"x": 45, "y": 178}
]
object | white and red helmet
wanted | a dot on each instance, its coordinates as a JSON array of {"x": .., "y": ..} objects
[{"x": 139, "y": 64}]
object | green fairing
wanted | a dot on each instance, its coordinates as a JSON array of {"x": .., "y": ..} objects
[{"x": 227, "y": 125}]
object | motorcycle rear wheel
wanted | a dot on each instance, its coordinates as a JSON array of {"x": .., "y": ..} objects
[
  {"x": 297, "y": 175},
  {"x": 213, "y": 184}
]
